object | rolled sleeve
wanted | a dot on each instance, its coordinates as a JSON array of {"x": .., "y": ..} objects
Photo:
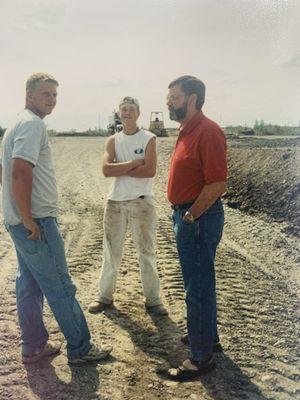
[{"x": 28, "y": 142}]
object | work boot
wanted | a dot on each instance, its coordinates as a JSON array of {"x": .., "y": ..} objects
[
  {"x": 158, "y": 310},
  {"x": 50, "y": 349},
  {"x": 94, "y": 354},
  {"x": 98, "y": 306}
]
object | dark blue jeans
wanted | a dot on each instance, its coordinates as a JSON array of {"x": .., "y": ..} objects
[
  {"x": 196, "y": 245},
  {"x": 42, "y": 272}
]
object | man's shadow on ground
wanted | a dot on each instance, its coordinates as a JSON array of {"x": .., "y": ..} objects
[
  {"x": 229, "y": 382},
  {"x": 155, "y": 343},
  {"x": 226, "y": 382},
  {"x": 45, "y": 383}
]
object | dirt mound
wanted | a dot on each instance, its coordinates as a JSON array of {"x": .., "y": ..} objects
[{"x": 264, "y": 179}]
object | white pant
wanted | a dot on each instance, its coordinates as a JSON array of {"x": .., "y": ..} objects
[{"x": 140, "y": 215}]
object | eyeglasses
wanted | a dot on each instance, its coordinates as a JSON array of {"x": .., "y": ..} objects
[{"x": 175, "y": 97}]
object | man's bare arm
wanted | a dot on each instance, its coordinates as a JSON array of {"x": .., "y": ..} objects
[
  {"x": 112, "y": 169},
  {"x": 209, "y": 194},
  {"x": 147, "y": 170},
  {"x": 21, "y": 190}
]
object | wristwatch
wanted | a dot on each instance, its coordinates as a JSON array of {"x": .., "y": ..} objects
[{"x": 188, "y": 217}]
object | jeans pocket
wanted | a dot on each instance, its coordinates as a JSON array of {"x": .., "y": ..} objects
[
  {"x": 6, "y": 226},
  {"x": 212, "y": 227},
  {"x": 216, "y": 208},
  {"x": 182, "y": 213},
  {"x": 19, "y": 235},
  {"x": 41, "y": 223}
]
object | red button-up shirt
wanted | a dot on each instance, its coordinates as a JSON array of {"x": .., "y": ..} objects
[{"x": 199, "y": 158}]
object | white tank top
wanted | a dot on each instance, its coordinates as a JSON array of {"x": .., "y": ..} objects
[{"x": 127, "y": 148}]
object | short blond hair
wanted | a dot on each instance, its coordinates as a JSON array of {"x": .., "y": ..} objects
[
  {"x": 35, "y": 79},
  {"x": 130, "y": 100}
]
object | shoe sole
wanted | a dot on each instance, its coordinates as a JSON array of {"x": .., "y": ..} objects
[
  {"x": 99, "y": 310},
  {"x": 157, "y": 314},
  {"x": 38, "y": 357},
  {"x": 79, "y": 361},
  {"x": 162, "y": 314},
  {"x": 191, "y": 375}
]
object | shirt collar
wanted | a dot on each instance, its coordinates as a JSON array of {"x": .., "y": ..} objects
[{"x": 192, "y": 123}]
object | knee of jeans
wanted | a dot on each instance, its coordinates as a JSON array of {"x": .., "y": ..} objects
[
  {"x": 70, "y": 289},
  {"x": 195, "y": 297},
  {"x": 65, "y": 290},
  {"x": 27, "y": 291},
  {"x": 190, "y": 300}
]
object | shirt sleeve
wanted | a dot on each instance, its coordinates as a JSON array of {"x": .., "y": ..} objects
[
  {"x": 28, "y": 141},
  {"x": 213, "y": 157}
]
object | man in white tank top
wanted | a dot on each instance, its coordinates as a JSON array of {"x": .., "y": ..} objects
[{"x": 130, "y": 157}]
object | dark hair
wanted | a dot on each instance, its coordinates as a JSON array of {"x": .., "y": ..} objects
[{"x": 191, "y": 85}]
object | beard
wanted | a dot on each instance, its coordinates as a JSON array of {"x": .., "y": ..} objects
[{"x": 178, "y": 114}]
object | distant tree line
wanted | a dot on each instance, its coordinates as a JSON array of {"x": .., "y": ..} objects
[
  {"x": 75, "y": 133},
  {"x": 260, "y": 128}
]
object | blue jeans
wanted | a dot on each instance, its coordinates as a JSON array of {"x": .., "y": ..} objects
[
  {"x": 196, "y": 245},
  {"x": 42, "y": 272}
]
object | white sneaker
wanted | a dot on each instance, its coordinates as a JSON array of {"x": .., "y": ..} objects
[{"x": 94, "y": 354}]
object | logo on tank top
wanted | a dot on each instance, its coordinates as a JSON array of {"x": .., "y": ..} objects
[{"x": 138, "y": 151}]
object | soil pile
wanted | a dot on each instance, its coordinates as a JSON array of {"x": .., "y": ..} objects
[{"x": 264, "y": 179}]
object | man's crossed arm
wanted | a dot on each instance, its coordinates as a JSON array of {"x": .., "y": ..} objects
[{"x": 140, "y": 168}]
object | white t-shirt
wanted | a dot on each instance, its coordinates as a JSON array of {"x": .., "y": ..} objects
[
  {"x": 27, "y": 139},
  {"x": 127, "y": 148}
]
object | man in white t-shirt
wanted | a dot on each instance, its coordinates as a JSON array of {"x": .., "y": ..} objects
[
  {"x": 130, "y": 157},
  {"x": 29, "y": 202}
]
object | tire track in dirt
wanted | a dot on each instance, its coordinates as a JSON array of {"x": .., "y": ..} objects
[
  {"x": 135, "y": 337},
  {"x": 257, "y": 322},
  {"x": 257, "y": 304}
]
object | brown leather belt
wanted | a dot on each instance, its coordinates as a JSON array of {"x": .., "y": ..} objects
[{"x": 177, "y": 207}]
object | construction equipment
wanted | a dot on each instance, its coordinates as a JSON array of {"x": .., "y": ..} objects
[
  {"x": 157, "y": 125},
  {"x": 115, "y": 124}
]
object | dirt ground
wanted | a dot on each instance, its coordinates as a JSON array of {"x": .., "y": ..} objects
[
  {"x": 265, "y": 178},
  {"x": 257, "y": 285}
]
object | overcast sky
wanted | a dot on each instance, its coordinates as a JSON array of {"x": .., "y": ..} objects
[{"x": 246, "y": 51}]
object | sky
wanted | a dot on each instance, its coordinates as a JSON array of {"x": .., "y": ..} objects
[{"x": 247, "y": 52}]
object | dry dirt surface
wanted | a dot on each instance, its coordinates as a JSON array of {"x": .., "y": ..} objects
[
  {"x": 258, "y": 298},
  {"x": 265, "y": 178}
]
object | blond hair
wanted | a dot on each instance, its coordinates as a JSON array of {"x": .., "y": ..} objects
[
  {"x": 35, "y": 79},
  {"x": 130, "y": 100}
]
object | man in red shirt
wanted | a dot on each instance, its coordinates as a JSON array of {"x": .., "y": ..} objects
[{"x": 197, "y": 179}]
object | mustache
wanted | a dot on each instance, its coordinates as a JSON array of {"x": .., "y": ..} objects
[{"x": 177, "y": 114}]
